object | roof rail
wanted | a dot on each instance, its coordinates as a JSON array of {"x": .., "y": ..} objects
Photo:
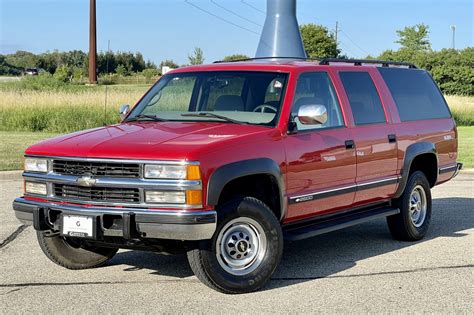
[
  {"x": 263, "y": 58},
  {"x": 360, "y": 62}
]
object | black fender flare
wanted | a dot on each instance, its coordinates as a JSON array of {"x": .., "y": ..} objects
[
  {"x": 411, "y": 153},
  {"x": 228, "y": 172}
]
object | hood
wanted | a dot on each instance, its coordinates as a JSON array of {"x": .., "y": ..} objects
[{"x": 149, "y": 140}]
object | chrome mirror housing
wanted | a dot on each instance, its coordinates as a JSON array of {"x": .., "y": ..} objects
[
  {"x": 124, "y": 110},
  {"x": 312, "y": 114}
]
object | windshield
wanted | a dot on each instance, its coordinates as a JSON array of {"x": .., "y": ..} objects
[{"x": 223, "y": 96}]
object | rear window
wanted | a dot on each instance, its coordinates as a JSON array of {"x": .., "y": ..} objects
[
  {"x": 415, "y": 93},
  {"x": 363, "y": 98}
]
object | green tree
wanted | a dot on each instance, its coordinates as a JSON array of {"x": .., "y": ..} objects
[
  {"x": 22, "y": 59},
  {"x": 168, "y": 63},
  {"x": 150, "y": 73},
  {"x": 235, "y": 57},
  {"x": 197, "y": 58},
  {"x": 121, "y": 70},
  {"x": 414, "y": 38},
  {"x": 318, "y": 41},
  {"x": 8, "y": 69}
]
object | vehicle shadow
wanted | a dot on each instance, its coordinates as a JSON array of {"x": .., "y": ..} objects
[{"x": 325, "y": 255}]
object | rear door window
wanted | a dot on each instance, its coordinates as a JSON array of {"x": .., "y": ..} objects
[
  {"x": 415, "y": 94},
  {"x": 363, "y": 98}
]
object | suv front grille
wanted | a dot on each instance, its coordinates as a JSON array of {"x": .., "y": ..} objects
[
  {"x": 105, "y": 169},
  {"x": 107, "y": 194}
]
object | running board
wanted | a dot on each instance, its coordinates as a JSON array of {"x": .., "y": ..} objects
[{"x": 338, "y": 221}]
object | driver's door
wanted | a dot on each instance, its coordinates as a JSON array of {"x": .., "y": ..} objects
[{"x": 321, "y": 167}]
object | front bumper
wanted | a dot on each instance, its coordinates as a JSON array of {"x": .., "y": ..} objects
[{"x": 128, "y": 223}]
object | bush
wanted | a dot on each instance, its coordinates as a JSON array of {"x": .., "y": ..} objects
[
  {"x": 150, "y": 73},
  {"x": 44, "y": 81},
  {"x": 62, "y": 74}
]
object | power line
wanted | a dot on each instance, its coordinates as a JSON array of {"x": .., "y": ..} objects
[
  {"x": 354, "y": 43},
  {"x": 234, "y": 13},
  {"x": 255, "y": 8},
  {"x": 347, "y": 49},
  {"x": 220, "y": 18}
]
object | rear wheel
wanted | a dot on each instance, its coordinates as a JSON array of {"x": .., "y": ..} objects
[
  {"x": 72, "y": 254},
  {"x": 413, "y": 221},
  {"x": 245, "y": 250}
]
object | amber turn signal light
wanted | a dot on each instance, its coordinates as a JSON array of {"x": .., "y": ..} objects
[
  {"x": 194, "y": 197},
  {"x": 193, "y": 172}
]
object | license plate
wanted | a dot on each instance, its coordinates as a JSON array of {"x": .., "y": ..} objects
[{"x": 78, "y": 226}]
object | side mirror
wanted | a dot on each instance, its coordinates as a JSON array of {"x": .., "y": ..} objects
[
  {"x": 124, "y": 110},
  {"x": 312, "y": 114}
]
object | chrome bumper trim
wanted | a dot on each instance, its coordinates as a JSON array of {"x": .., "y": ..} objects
[
  {"x": 132, "y": 161},
  {"x": 162, "y": 224},
  {"x": 161, "y": 184}
]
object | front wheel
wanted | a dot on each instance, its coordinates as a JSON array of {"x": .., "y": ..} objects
[
  {"x": 72, "y": 254},
  {"x": 413, "y": 221},
  {"x": 245, "y": 250}
]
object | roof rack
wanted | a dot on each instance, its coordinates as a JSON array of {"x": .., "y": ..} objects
[
  {"x": 360, "y": 62},
  {"x": 263, "y": 58}
]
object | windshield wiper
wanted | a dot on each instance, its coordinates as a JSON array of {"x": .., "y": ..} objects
[
  {"x": 143, "y": 116},
  {"x": 212, "y": 115}
]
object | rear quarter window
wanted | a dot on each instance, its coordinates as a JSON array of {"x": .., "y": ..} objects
[{"x": 416, "y": 95}]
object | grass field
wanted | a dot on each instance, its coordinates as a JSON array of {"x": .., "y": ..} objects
[
  {"x": 462, "y": 108},
  {"x": 62, "y": 111},
  {"x": 13, "y": 144},
  {"x": 466, "y": 146},
  {"x": 73, "y": 107}
]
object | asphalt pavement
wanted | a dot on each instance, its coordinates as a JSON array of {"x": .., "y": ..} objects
[{"x": 359, "y": 269}]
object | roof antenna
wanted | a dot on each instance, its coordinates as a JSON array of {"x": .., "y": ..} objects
[{"x": 281, "y": 35}]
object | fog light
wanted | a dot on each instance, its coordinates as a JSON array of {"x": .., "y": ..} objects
[
  {"x": 194, "y": 197},
  {"x": 173, "y": 197},
  {"x": 35, "y": 188}
]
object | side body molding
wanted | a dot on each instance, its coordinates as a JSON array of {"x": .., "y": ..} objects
[
  {"x": 411, "y": 153},
  {"x": 261, "y": 166}
]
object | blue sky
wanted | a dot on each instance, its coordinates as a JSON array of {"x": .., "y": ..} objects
[{"x": 170, "y": 29}]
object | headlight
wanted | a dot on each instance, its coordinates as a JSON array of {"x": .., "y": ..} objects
[
  {"x": 173, "y": 197},
  {"x": 36, "y": 165},
  {"x": 35, "y": 188},
  {"x": 172, "y": 171}
]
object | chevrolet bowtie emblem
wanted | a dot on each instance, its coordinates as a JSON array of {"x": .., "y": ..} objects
[{"x": 86, "y": 181}]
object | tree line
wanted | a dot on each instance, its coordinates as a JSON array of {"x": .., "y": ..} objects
[{"x": 452, "y": 69}]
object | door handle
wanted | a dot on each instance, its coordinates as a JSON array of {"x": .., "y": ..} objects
[
  {"x": 392, "y": 138},
  {"x": 350, "y": 144}
]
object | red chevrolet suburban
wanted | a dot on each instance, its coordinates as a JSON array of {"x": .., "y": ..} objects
[{"x": 225, "y": 161}]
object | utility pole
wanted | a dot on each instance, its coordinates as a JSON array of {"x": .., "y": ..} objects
[
  {"x": 337, "y": 31},
  {"x": 92, "y": 44},
  {"x": 453, "y": 28}
]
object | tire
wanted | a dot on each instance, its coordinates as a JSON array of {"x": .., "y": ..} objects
[
  {"x": 243, "y": 222},
  {"x": 70, "y": 255},
  {"x": 413, "y": 221}
]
